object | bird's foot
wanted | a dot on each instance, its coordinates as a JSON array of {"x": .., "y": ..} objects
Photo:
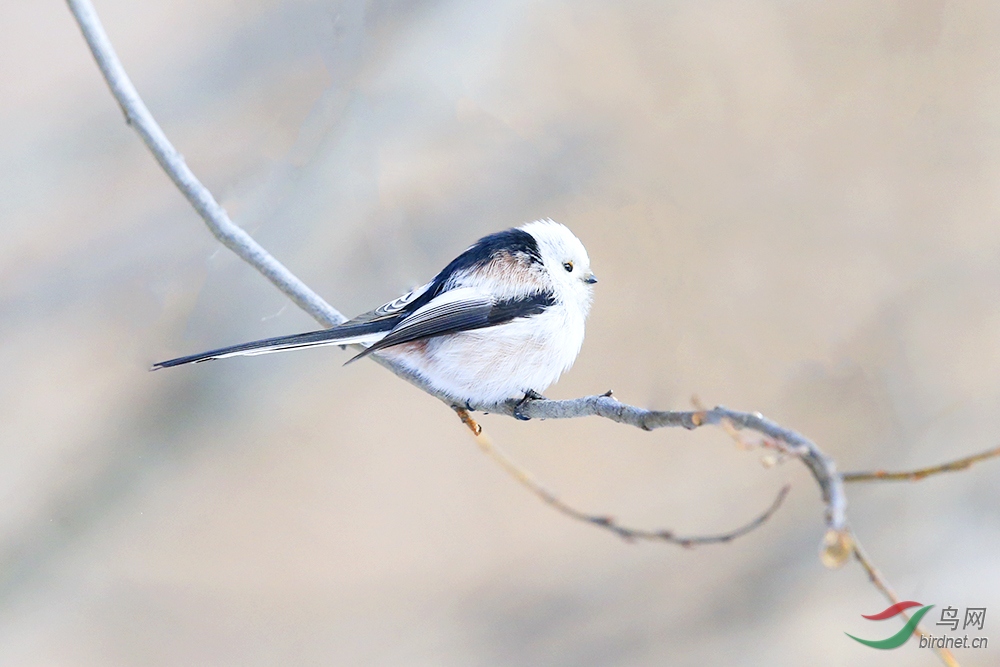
[{"x": 530, "y": 395}]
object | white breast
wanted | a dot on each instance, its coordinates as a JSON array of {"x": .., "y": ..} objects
[{"x": 497, "y": 363}]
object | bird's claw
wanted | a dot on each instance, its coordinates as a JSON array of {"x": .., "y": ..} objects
[{"x": 530, "y": 395}]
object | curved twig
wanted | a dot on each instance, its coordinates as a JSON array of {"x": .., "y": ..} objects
[
  {"x": 822, "y": 467},
  {"x": 627, "y": 533}
]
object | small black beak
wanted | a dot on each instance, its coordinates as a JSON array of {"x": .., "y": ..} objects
[{"x": 590, "y": 279}]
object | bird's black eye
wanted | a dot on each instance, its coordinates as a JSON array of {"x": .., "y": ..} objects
[{"x": 568, "y": 266}]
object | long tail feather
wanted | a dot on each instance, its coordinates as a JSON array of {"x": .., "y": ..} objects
[{"x": 343, "y": 335}]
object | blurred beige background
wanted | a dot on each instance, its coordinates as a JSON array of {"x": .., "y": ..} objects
[{"x": 792, "y": 208}]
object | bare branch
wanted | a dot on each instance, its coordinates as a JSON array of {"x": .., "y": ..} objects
[
  {"x": 526, "y": 479},
  {"x": 921, "y": 473},
  {"x": 822, "y": 467}
]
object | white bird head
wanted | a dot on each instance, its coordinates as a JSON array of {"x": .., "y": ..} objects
[{"x": 566, "y": 261}]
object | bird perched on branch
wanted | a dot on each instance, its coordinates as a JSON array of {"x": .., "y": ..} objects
[{"x": 503, "y": 320}]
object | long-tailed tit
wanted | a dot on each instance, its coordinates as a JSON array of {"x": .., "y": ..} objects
[{"x": 503, "y": 320}]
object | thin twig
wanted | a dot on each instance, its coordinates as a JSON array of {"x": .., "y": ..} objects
[
  {"x": 627, "y": 533},
  {"x": 882, "y": 585},
  {"x": 917, "y": 475}
]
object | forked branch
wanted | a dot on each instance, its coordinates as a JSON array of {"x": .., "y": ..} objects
[{"x": 609, "y": 523}]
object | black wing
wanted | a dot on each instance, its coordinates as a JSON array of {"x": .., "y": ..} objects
[
  {"x": 462, "y": 309},
  {"x": 425, "y": 312}
]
